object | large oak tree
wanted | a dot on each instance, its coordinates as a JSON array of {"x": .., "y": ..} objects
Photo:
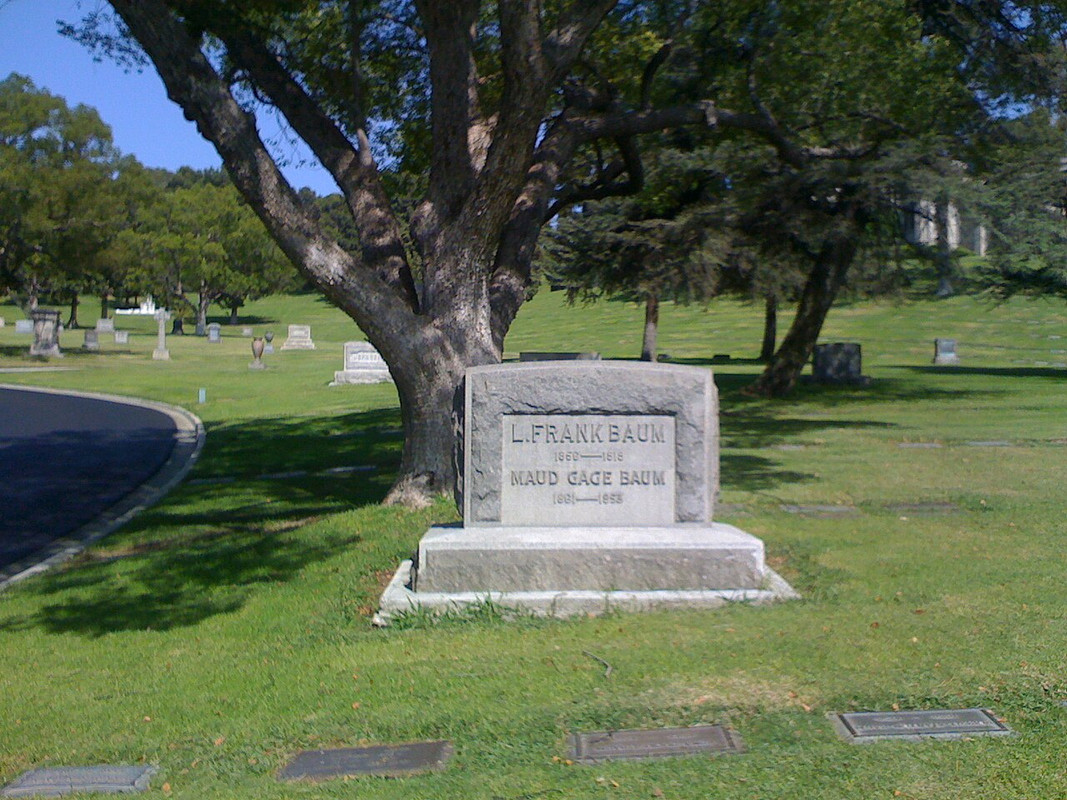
[{"x": 511, "y": 109}]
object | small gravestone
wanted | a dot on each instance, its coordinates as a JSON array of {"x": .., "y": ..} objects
[
  {"x": 92, "y": 340},
  {"x": 46, "y": 331},
  {"x": 363, "y": 364},
  {"x": 122, "y": 337},
  {"x": 214, "y": 333},
  {"x": 839, "y": 363},
  {"x": 3, "y": 322},
  {"x": 246, "y": 332},
  {"x": 586, "y": 486},
  {"x": 544, "y": 356},
  {"x": 24, "y": 326},
  {"x": 161, "y": 353},
  {"x": 384, "y": 760},
  {"x": 105, "y": 326},
  {"x": 59, "y": 781},
  {"x": 871, "y": 726},
  {"x": 268, "y": 348},
  {"x": 592, "y": 748},
  {"x": 299, "y": 338},
  {"x": 945, "y": 352},
  {"x": 824, "y": 511}
]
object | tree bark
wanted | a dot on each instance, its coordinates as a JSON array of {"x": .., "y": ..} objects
[
  {"x": 233, "y": 314},
  {"x": 648, "y": 341},
  {"x": 826, "y": 278},
  {"x": 202, "y": 304},
  {"x": 72, "y": 323},
  {"x": 770, "y": 329},
  {"x": 103, "y": 303}
]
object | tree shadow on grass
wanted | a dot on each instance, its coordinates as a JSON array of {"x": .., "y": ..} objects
[
  {"x": 1059, "y": 373},
  {"x": 206, "y": 548}
]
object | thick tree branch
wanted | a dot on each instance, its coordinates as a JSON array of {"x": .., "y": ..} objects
[
  {"x": 354, "y": 170},
  {"x": 573, "y": 29},
  {"x": 193, "y": 84}
]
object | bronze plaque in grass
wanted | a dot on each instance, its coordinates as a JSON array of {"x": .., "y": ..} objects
[
  {"x": 393, "y": 760},
  {"x": 869, "y": 726},
  {"x": 59, "y": 781},
  {"x": 590, "y": 748}
]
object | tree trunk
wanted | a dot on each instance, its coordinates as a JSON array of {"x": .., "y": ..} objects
[
  {"x": 72, "y": 323},
  {"x": 823, "y": 283},
  {"x": 648, "y": 342},
  {"x": 429, "y": 376},
  {"x": 203, "y": 301},
  {"x": 233, "y": 313},
  {"x": 943, "y": 256},
  {"x": 103, "y": 303},
  {"x": 770, "y": 329}
]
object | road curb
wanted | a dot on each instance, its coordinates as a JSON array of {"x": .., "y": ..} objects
[{"x": 189, "y": 438}]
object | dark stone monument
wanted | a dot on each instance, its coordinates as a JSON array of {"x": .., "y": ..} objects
[
  {"x": 869, "y": 726},
  {"x": 59, "y": 781},
  {"x": 591, "y": 748},
  {"x": 945, "y": 352},
  {"x": 46, "y": 331},
  {"x": 839, "y": 363},
  {"x": 385, "y": 760}
]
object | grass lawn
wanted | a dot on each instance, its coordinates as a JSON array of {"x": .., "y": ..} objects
[{"x": 228, "y": 627}]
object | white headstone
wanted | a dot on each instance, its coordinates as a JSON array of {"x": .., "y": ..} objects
[
  {"x": 363, "y": 364},
  {"x": 105, "y": 326},
  {"x": 23, "y": 326},
  {"x": 299, "y": 338},
  {"x": 214, "y": 333}
]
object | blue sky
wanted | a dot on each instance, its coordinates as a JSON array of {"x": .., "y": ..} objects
[{"x": 143, "y": 121}]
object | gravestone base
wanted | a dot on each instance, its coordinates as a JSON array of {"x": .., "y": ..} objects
[
  {"x": 398, "y": 598},
  {"x": 570, "y": 571},
  {"x": 350, "y": 376}
]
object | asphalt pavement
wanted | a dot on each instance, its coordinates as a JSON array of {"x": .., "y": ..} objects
[{"x": 66, "y": 460}]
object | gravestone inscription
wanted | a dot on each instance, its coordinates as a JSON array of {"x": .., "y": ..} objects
[
  {"x": 866, "y": 726},
  {"x": 592, "y": 748},
  {"x": 59, "y": 781},
  {"x": 385, "y": 760}
]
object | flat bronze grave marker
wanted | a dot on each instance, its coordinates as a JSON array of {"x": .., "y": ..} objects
[
  {"x": 383, "y": 760},
  {"x": 58, "y": 781},
  {"x": 869, "y": 726},
  {"x": 821, "y": 510},
  {"x": 591, "y": 748}
]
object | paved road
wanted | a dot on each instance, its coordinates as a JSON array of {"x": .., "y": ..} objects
[{"x": 64, "y": 460}]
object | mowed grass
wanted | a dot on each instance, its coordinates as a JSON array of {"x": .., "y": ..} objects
[{"x": 228, "y": 627}]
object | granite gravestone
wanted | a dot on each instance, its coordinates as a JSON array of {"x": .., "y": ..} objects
[
  {"x": 268, "y": 348},
  {"x": 46, "y": 329},
  {"x": 105, "y": 326},
  {"x": 92, "y": 340},
  {"x": 586, "y": 486},
  {"x": 363, "y": 364},
  {"x": 870, "y": 726},
  {"x": 122, "y": 337},
  {"x": 24, "y": 326},
  {"x": 299, "y": 338},
  {"x": 161, "y": 353},
  {"x": 385, "y": 760},
  {"x": 246, "y": 332},
  {"x": 838, "y": 363},
  {"x": 945, "y": 352},
  {"x": 59, "y": 781},
  {"x": 214, "y": 333},
  {"x": 592, "y": 748}
]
